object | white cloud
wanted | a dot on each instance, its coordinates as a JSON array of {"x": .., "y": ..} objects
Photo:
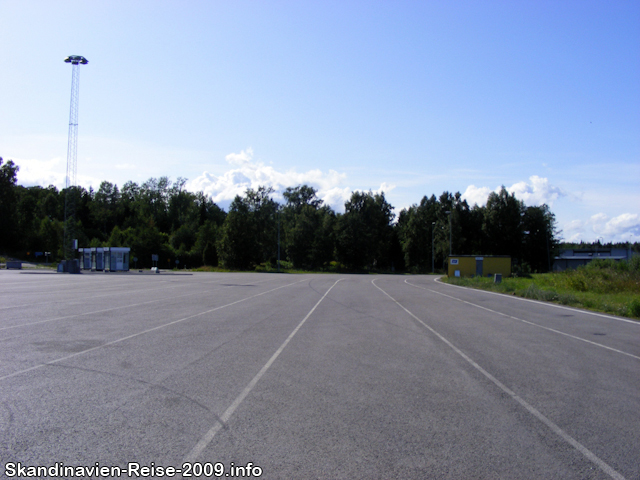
[
  {"x": 384, "y": 188},
  {"x": 241, "y": 158},
  {"x": 625, "y": 225},
  {"x": 251, "y": 173},
  {"x": 622, "y": 228},
  {"x": 476, "y": 195},
  {"x": 574, "y": 226},
  {"x": 41, "y": 172},
  {"x": 536, "y": 192}
]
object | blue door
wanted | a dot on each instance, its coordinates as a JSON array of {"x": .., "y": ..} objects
[{"x": 479, "y": 266}]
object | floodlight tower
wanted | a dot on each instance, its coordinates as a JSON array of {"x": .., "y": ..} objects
[{"x": 72, "y": 158}]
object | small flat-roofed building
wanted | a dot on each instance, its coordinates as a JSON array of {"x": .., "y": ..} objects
[
  {"x": 573, "y": 258},
  {"x": 116, "y": 259},
  {"x": 479, "y": 265}
]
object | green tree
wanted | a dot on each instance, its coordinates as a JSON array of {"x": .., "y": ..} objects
[
  {"x": 415, "y": 230},
  {"x": 539, "y": 226},
  {"x": 365, "y": 231},
  {"x": 205, "y": 247},
  {"x": 8, "y": 204},
  {"x": 308, "y": 228},
  {"x": 238, "y": 244},
  {"x": 104, "y": 207},
  {"x": 502, "y": 224}
]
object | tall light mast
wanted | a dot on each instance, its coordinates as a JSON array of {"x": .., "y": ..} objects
[{"x": 72, "y": 159}]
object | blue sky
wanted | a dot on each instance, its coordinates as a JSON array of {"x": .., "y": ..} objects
[{"x": 409, "y": 98}]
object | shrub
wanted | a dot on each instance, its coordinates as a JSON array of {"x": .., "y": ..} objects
[
  {"x": 523, "y": 270},
  {"x": 567, "y": 299},
  {"x": 634, "y": 307},
  {"x": 536, "y": 293},
  {"x": 577, "y": 282}
]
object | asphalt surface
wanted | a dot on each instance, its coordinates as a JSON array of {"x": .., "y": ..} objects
[{"x": 311, "y": 376}]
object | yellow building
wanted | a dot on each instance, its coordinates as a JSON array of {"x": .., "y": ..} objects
[{"x": 483, "y": 265}]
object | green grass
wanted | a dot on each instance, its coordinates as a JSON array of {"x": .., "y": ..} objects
[{"x": 602, "y": 286}]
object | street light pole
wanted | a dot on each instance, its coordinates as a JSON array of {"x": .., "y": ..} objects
[
  {"x": 278, "y": 238},
  {"x": 433, "y": 227},
  {"x": 448, "y": 212}
]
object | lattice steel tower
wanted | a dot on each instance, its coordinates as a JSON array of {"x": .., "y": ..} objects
[{"x": 72, "y": 159}]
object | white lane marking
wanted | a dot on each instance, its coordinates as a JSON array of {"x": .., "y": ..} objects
[
  {"x": 211, "y": 433},
  {"x": 117, "y": 288},
  {"x": 555, "y": 428},
  {"x": 143, "y": 332},
  {"x": 540, "y": 302},
  {"x": 112, "y": 308},
  {"x": 526, "y": 321}
]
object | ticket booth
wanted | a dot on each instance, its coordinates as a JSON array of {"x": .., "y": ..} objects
[
  {"x": 116, "y": 259},
  {"x": 85, "y": 258},
  {"x": 97, "y": 258},
  {"x": 108, "y": 259}
]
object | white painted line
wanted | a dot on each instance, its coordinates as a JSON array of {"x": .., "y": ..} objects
[
  {"x": 143, "y": 332},
  {"x": 211, "y": 433},
  {"x": 526, "y": 321},
  {"x": 540, "y": 302},
  {"x": 112, "y": 308},
  {"x": 117, "y": 287},
  {"x": 555, "y": 428}
]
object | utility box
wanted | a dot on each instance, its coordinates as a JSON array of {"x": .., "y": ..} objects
[{"x": 479, "y": 265}]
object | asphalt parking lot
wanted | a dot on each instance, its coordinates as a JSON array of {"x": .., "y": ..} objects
[{"x": 310, "y": 376}]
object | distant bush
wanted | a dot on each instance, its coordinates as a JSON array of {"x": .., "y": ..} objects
[
  {"x": 522, "y": 270},
  {"x": 536, "y": 293},
  {"x": 634, "y": 308},
  {"x": 568, "y": 299}
]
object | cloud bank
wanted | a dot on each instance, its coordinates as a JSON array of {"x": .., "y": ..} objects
[
  {"x": 537, "y": 191},
  {"x": 622, "y": 228},
  {"x": 246, "y": 172}
]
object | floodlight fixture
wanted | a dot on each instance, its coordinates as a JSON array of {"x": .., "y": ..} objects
[{"x": 76, "y": 59}]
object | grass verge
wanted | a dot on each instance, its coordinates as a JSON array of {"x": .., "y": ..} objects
[{"x": 600, "y": 286}]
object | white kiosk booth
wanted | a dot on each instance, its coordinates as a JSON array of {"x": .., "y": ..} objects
[{"x": 108, "y": 259}]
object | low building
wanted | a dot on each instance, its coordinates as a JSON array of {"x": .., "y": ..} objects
[
  {"x": 108, "y": 259},
  {"x": 479, "y": 265},
  {"x": 573, "y": 258}
]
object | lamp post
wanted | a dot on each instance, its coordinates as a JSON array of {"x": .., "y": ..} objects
[
  {"x": 69, "y": 246},
  {"x": 448, "y": 212},
  {"x": 433, "y": 227}
]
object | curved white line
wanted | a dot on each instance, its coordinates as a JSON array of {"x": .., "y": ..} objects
[
  {"x": 540, "y": 302},
  {"x": 526, "y": 321},
  {"x": 532, "y": 410}
]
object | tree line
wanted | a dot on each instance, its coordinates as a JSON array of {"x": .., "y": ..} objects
[{"x": 161, "y": 217}]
